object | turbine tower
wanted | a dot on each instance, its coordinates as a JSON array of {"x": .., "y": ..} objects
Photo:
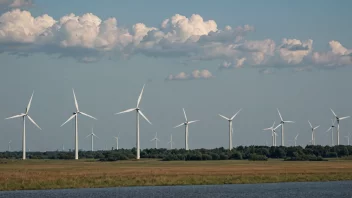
[
  {"x": 9, "y": 147},
  {"x": 332, "y": 131},
  {"x": 171, "y": 142},
  {"x": 230, "y": 127},
  {"x": 75, "y": 115},
  {"x": 138, "y": 112},
  {"x": 348, "y": 139},
  {"x": 273, "y": 132},
  {"x": 156, "y": 140},
  {"x": 117, "y": 142},
  {"x": 275, "y": 138},
  {"x": 23, "y": 116},
  {"x": 338, "y": 125},
  {"x": 296, "y": 139},
  {"x": 282, "y": 128},
  {"x": 186, "y": 123},
  {"x": 313, "y": 132},
  {"x": 92, "y": 135}
]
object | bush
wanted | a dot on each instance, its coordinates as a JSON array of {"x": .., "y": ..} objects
[
  {"x": 236, "y": 155},
  {"x": 255, "y": 157}
]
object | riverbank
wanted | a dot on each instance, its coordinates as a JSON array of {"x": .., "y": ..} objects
[{"x": 56, "y": 174}]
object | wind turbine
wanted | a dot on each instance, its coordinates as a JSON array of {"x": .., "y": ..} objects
[
  {"x": 171, "y": 142},
  {"x": 273, "y": 132},
  {"x": 75, "y": 115},
  {"x": 282, "y": 128},
  {"x": 230, "y": 127},
  {"x": 23, "y": 116},
  {"x": 138, "y": 111},
  {"x": 338, "y": 125},
  {"x": 296, "y": 139},
  {"x": 313, "y": 130},
  {"x": 332, "y": 131},
  {"x": 92, "y": 135},
  {"x": 186, "y": 123},
  {"x": 117, "y": 142},
  {"x": 348, "y": 138},
  {"x": 9, "y": 147},
  {"x": 156, "y": 140}
]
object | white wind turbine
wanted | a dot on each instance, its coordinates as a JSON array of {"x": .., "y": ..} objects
[
  {"x": 313, "y": 132},
  {"x": 92, "y": 135},
  {"x": 9, "y": 147},
  {"x": 230, "y": 127},
  {"x": 75, "y": 115},
  {"x": 296, "y": 139},
  {"x": 138, "y": 111},
  {"x": 117, "y": 142},
  {"x": 332, "y": 131},
  {"x": 282, "y": 128},
  {"x": 23, "y": 116},
  {"x": 186, "y": 123},
  {"x": 156, "y": 140},
  {"x": 338, "y": 125},
  {"x": 171, "y": 142},
  {"x": 348, "y": 138},
  {"x": 273, "y": 132}
]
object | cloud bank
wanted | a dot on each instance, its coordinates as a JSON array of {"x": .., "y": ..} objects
[
  {"x": 88, "y": 38},
  {"x": 195, "y": 75}
]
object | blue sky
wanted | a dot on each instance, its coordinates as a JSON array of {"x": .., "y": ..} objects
[{"x": 301, "y": 77}]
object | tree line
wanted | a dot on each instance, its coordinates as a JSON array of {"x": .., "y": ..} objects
[{"x": 308, "y": 153}]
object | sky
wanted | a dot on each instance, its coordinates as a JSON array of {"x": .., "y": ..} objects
[{"x": 210, "y": 58}]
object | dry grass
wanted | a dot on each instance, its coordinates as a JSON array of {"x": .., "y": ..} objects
[{"x": 50, "y": 174}]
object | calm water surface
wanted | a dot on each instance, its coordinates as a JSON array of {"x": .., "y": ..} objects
[{"x": 276, "y": 190}]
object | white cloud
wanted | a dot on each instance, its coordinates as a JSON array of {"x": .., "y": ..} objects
[
  {"x": 89, "y": 39},
  {"x": 16, "y": 3},
  {"x": 196, "y": 74}
]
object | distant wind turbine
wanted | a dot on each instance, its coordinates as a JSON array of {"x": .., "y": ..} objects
[
  {"x": 332, "y": 131},
  {"x": 9, "y": 147},
  {"x": 117, "y": 142},
  {"x": 75, "y": 115},
  {"x": 171, "y": 142},
  {"x": 138, "y": 112},
  {"x": 273, "y": 132},
  {"x": 230, "y": 127},
  {"x": 23, "y": 116},
  {"x": 348, "y": 138},
  {"x": 282, "y": 128},
  {"x": 313, "y": 132},
  {"x": 156, "y": 140},
  {"x": 296, "y": 139},
  {"x": 186, "y": 123},
  {"x": 338, "y": 125},
  {"x": 92, "y": 135}
]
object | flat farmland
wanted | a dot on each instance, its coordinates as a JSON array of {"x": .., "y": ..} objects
[{"x": 55, "y": 174}]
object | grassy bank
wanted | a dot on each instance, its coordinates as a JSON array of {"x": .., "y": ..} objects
[{"x": 52, "y": 174}]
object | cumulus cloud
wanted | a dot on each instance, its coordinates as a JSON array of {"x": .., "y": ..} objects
[
  {"x": 89, "y": 38},
  {"x": 196, "y": 74}
]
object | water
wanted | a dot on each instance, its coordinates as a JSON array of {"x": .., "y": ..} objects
[{"x": 275, "y": 190}]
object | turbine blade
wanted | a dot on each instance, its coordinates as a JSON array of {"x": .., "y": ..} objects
[
  {"x": 184, "y": 112},
  {"x": 328, "y": 130},
  {"x": 29, "y": 103},
  {"x": 267, "y": 129},
  {"x": 235, "y": 114},
  {"x": 140, "y": 96},
  {"x": 277, "y": 126},
  {"x": 179, "y": 125},
  {"x": 126, "y": 111},
  {"x": 333, "y": 122},
  {"x": 16, "y": 116},
  {"x": 223, "y": 117},
  {"x": 68, "y": 119},
  {"x": 87, "y": 115},
  {"x": 88, "y": 135},
  {"x": 95, "y": 135},
  {"x": 74, "y": 96},
  {"x": 333, "y": 112},
  {"x": 273, "y": 125},
  {"x": 289, "y": 121},
  {"x": 310, "y": 124},
  {"x": 279, "y": 114},
  {"x": 192, "y": 121},
  {"x": 140, "y": 112},
  {"x": 344, "y": 117},
  {"x": 296, "y": 136},
  {"x": 316, "y": 127},
  {"x": 33, "y": 122}
]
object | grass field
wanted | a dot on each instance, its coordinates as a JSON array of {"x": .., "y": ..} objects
[{"x": 52, "y": 174}]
